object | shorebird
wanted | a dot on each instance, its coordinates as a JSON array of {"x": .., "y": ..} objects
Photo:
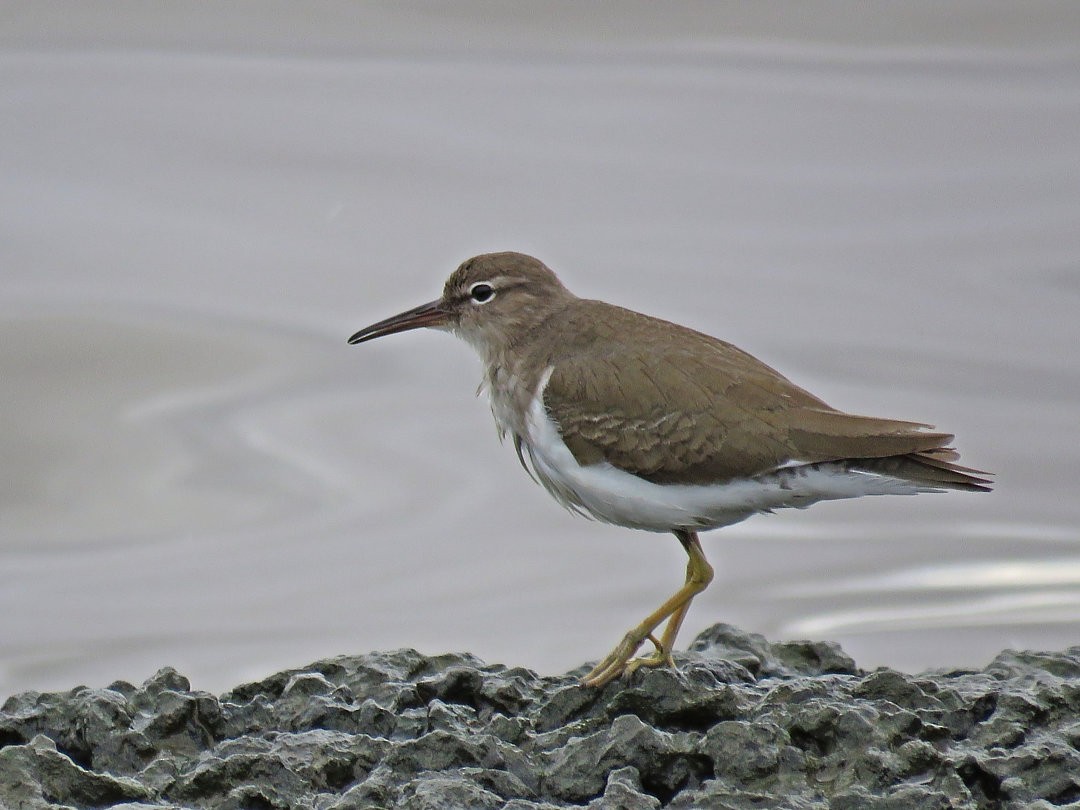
[{"x": 647, "y": 424}]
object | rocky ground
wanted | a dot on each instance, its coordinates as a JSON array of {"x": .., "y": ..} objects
[{"x": 741, "y": 724}]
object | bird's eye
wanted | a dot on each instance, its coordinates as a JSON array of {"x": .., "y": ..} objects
[{"x": 481, "y": 292}]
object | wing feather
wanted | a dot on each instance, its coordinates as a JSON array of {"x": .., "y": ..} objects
[{"x": 700, "y": 410}]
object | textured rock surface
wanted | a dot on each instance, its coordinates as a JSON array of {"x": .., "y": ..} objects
[{"x": 742, "y": 724}]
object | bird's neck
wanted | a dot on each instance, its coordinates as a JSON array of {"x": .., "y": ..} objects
[
  {"x": 511, "y": 383},
  {"x": 514, "y": 369}
]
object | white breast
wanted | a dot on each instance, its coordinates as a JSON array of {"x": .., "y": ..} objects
[{"x": 615, "y": 496}]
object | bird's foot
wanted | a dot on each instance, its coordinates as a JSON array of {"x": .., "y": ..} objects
[
  {"x": 659, "y": 658},
  {"x": 614, "y": 663},
  {"x": 620, "y": 661}
]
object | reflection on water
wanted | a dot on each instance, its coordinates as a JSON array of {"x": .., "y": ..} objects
[
  {"x": 130, "y": 431},
  {"x": 1039, "y": 607},
  {"x": 967, "y": 576},
  {"x": 197, "y": 471}
]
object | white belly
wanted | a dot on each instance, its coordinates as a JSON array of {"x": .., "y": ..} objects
[{"x": 615, "y": 496}]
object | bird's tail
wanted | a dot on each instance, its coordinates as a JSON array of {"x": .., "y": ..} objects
[{"x": 936, "y": 469}]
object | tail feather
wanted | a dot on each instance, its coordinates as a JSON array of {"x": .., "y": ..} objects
[{"x": 934, "y": 468}]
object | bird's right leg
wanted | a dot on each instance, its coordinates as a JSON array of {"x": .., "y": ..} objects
[{"x": 698, "y": 576}]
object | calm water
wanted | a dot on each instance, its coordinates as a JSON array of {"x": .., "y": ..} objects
[{"x": 197, "y": 210}]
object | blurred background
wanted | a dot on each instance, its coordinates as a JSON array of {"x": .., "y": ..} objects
[{"x": 199, "y": 203}]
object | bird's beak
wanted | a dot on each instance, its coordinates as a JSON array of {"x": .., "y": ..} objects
[{"x": 429, "y": 314}]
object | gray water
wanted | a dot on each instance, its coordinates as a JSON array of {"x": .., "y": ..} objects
[{"x": 199, "y": 203}]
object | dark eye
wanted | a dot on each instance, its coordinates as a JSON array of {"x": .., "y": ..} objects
[{"x": 481, "y": 292}]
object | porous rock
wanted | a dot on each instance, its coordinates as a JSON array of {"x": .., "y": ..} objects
[{"x": 742, "y": 723}]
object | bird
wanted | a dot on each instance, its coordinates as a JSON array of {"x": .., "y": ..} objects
[{"x": 643, "y": 423}]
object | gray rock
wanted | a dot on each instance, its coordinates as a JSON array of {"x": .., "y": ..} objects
[
  {"x": 624, "y": 792},
  {"x": 741, "y": 724},
  {"x": 36, "y": 775}
]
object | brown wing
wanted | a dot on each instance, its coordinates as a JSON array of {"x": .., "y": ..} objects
[{"x": 699, "y": 410}]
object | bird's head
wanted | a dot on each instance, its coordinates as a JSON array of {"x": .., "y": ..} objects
[{"x": 491, "y": 301}]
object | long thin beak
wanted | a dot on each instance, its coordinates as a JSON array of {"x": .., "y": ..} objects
[{"x": 429, "y": 314}]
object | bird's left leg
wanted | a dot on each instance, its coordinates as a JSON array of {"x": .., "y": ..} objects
[
  {"x": 698, "y": 576},
  {"x": 698, "y": 570}
]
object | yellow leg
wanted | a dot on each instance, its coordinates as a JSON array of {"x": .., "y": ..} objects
[
  {"x": 698, "y": 576},
  {"x": 661, "y": 656}
]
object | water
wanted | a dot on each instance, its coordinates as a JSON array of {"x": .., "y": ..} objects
[{"x": 198, "y": 206}]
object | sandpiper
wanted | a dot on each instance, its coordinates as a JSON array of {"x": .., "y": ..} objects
[{"x": 647, "y": 424}]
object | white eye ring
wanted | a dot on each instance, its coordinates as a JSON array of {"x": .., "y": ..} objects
[{"x": 481, "y": 292}]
